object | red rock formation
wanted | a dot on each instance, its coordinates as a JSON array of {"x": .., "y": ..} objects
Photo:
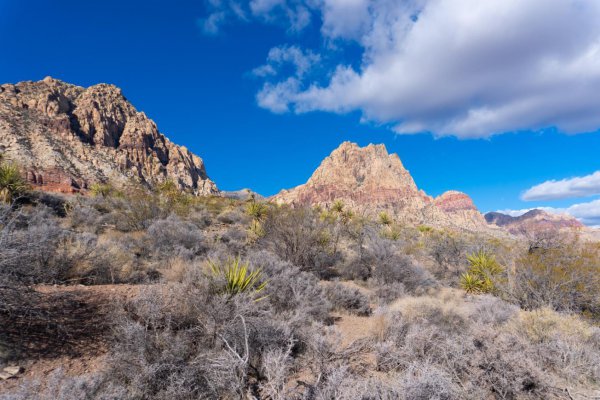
[
  {"x": 67, "y": 137},
  {"x": 369, "y": 180}
]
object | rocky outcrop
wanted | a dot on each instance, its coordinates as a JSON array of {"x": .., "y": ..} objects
[
  {"x": 533, "y": 221},
  {"x": 67, "y": 137},
  {"x": 369, "y": 180}
]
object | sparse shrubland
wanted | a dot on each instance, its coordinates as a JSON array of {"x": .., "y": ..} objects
[{"x": 241, "y": 299}]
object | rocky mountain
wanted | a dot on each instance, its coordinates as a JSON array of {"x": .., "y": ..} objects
[
  {"x": 67, "y": 137},
  {"x": 533, "y": 221},
  {"x": 369, "y": 180}
]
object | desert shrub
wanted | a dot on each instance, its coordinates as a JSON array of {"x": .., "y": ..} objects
[
  {"x": 231, "y": 217},
  {"x": 428, "y": 382},
  {"x": 85, "y": 217},
  {"x": 447, "y": 250},
  {"x": 291, "y": 292},
  {"x": 186, "y": 340},
  {"x": 200, "y": 217},
  {"x": 235, "y": 239},
  {"x": 174, "y": 236},
  {"x": 356, "y": 269},
  {"x": 388, "y": 292},
  {"x": 402, "y": 269},
  {"x": 298, "y": 236},
  {"x": 492, "y": 311},
  {"x": 564, "y": 278},
  {"x": 60, "y": 386},
  {"x": 134, "y": 210},
  {"x": 563, "y": 343},
  {"x": 34, "y": 247},
  {"x": 344, "y": 298}
]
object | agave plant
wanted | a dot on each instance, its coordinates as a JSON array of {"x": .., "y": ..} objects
[
  {"x": 12, "y": 183},
  {"x": 239, "y": 278}
]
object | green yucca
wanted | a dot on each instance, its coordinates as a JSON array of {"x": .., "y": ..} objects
[
  {"x": 337, "y": 206},
  {"x": 258, "y": 211},
  {"x": 484, "y": 262},
  {"x": 483, "y": 267},
  {"x": 238, "y": 277},
  {"x": 12, "y": 183},
  {"x": 100, "y": 189},
  {"x": 471, "y": 283},
  {"x": 384, "y": 218},
  {"x": 424, "y": 229}
]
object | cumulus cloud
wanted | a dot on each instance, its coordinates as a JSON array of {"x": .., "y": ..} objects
[
  {"x": 583, "y": 186},
  {"x": 587, "y": 213},
  {"x": 451, "y": 67}
]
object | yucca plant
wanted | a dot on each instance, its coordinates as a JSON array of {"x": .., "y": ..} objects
[
  {"x": 258, "y": 211},
  {"x": 238, "y": 277},
  {"x": 100, "y": 189},
  {"x": 483, "y": 268},
  {"x": 12, "y": 184},
  {"x": 337, "y": 206},
  {"x": 384, "y": 219},
  {"x": 471, "y": 283}
]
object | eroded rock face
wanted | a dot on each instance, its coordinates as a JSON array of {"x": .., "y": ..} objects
[
  {"x": 66, "y": 137},
  {"x": 369, "y": 180}
]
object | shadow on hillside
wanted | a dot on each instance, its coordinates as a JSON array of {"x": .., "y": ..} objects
[{"x": 48, "y": 325}]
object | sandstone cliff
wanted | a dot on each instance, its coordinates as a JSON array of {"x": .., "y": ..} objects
[
  {"x": 369, "y": 180},
  {"x": 66, "y": 137}
]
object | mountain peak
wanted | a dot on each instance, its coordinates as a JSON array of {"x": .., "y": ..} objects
[
  {"x": 67, "y": 137},
  {"x": 370, "y": 180}
]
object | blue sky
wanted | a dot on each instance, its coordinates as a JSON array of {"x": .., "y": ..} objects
[{"x": 263, "y": 90}]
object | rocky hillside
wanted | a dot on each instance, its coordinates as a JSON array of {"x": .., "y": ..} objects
[
  {"x": 369, "y": 181},
  {"x": 67, "y": 137},
  {"x": 533, "y": 221}
]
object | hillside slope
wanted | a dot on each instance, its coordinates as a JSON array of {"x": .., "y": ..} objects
[{"x": 67, "y": 137}]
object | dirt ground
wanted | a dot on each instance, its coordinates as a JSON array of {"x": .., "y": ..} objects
[{"x": 78, "y": 344}]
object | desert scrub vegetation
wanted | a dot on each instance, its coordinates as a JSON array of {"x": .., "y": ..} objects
[
  {"x": 12, "y": 183},
  {"x": 315, "y": 304}
]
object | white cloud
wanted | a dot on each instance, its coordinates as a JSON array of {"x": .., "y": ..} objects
[
  {"x": 584, "y": 186},
  {"x": 457, "y": 67},
  {"x": 587, "y": 213},
  {"x": 212, "y": 24},
  {"x": 301, "y": 61}
]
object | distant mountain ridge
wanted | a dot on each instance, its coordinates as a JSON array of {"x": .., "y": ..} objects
[
  {"x": 66, "y": 137},
  {"x": 533, "y": 221},
  {"x": 369, "y": 180}
]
